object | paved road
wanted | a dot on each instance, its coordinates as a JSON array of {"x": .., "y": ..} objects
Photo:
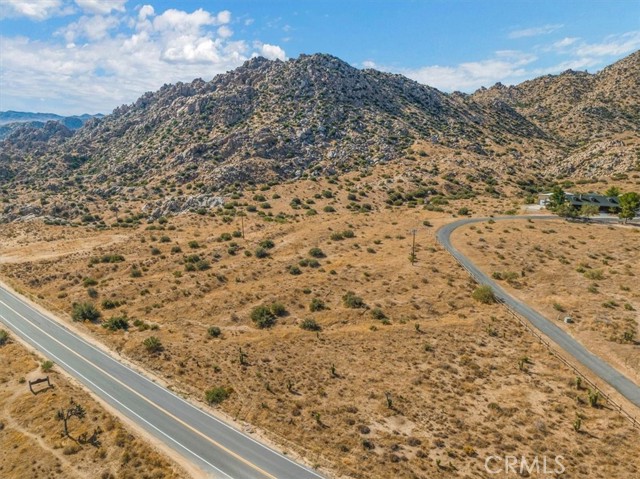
[
  {"x": 596, "y": 365},
  {"x": 214, "y": 446}
]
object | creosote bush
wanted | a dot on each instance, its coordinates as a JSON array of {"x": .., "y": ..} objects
[
  {"x": 216, "y": 395},
  {"x": 214, "y": 332},
  {"x": 310, "y": 324},
  {"x": 316, "y": 253},
  {"x": 263, "y": 317},
  {"x": 351, "y": 300},
  {"x": 484, "y": 294},
  {"x": 316, "y": 305},
  {"x": 4, "y": 337}
]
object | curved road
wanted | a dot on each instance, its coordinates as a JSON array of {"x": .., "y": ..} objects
[
  {"x": 219, "y": 449},
  {"x": 595, "y": 364}
]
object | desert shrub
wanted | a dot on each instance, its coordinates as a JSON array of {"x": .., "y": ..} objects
[
  {"x": 594, "y": 274},
  {"x": 216, "y": 395},
  {"x": 155, "y": 251},
  {"x": 294, "y": 270},
  {"x": 176, "y": 249},
  {"x": 116, "y": 323},
  {"x": 4, "y": 337},
  {"x": 329, "y": 209},
  {"x": 46, "y": 366},
  {"x": 110, "y": 304},
  {"x": 348, "y": 234},
  {"x": 377, "y": 313},
  {"x": 261, "y": 253},
  {"x": 484, "y": 294},
  {"x": 310, "y": 324},
  {"x": 278, "y": 309},
  {"x": 336, "y": 236},
  {"x": 189, "y": 267},
  {"x": 267, "y": 244},
  {"x": 202, "y": 265},
  {"x": 92, "y": 292},
  {"x": 214, "y": 331},
  {"x": 86, "y": 282},
  {"x": 164, "y": 239},
  {"x": 135, "y": 273},
  {"x": 225, "y": 237},
  {"x": 314, "y": 263},
  {"x": 85, "y": 312},
  {"x": 464, "y": 211},
  {"x": 316, "y": 304},
  {"x": 316, "y": 253},
  {"x": 192, "y": 258},
  {"x": 112, "y": 258},
  {"x": 152, "y": 344},
  {"x": 263, "y": 317},
  {"x": 193, "y": 244},
  {"x": 351, "y": 300}
]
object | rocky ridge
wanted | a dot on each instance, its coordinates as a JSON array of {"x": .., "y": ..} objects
[{"x": 317, "y": 115}]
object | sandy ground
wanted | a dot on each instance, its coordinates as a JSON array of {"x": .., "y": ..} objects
[
  {"x": 560, "y": 261},
  {"x": 422, "y": 382},
  {"x": 31, "y": 440}
]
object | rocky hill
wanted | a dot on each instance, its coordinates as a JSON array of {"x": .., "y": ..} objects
[{"x": 318, "y": 115}]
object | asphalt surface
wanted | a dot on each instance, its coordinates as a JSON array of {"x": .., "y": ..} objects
[
  {"x": 217, "y": 448},
  {"x": 595, "y": 364}
]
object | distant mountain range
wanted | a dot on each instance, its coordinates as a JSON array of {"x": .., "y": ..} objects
[
  {"x": 318, "y": 115},
  {"x": 10, "y": 120}
]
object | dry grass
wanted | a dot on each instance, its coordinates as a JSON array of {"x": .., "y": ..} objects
[
  {"x": 450, "y": 366},
  {"x": 31, "y": 440},
  {"x": 583, "y": 271}
]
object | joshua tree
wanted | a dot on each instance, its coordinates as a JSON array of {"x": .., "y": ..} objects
[
  {"x": 242, "y": 356},
  {"x": 75, "y": 410},
  {"x": 389, "y": 400},
  {"x": 577, "y": 424}
]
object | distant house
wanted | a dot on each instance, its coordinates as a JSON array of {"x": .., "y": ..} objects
[{"x": 605, "y": 204}]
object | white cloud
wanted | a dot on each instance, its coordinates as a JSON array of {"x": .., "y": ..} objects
[
  {"x": 223, "y": 17},
  {"x": 101, "y": 61},
  {"x": 535, "y": 31},
  {"x": 32, "y": 9},
  {"x": 565, "y": 42},
  {"x": 224, "y": 31},
  {"x": 146, "y": 11},
  {"x": 613, "y": 45},
  {"x": 272, "y": 52},
  {"x": 101, "y": 7},
  {"x": 91, "y": 28},
  {"x": 507, "y": 66}
]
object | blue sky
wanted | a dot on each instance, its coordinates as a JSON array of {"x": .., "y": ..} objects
[{"x": 76, "y": 56}]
